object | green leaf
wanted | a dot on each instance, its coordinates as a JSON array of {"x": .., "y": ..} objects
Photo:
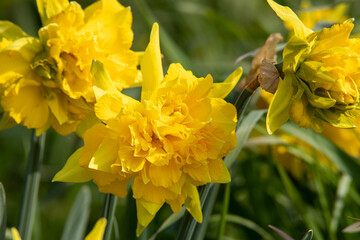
[
  {"x": 308, "y": 235},
  {"x": 246, "y": 223},
  {"x": 296, "y": 198},
  {"x": 242, "y": 134},
  {"x": 342, "y": 191},
  {"x": 343, "y": 161},
  {"x": 2, "y": 212},
  {"x": 31, "y": 186},
  {"x": 78, "y": 217}
]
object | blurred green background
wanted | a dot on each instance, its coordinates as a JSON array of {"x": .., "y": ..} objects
[{"x": 206, "y": 36}]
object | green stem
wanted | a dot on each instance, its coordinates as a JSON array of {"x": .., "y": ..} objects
[
  {"x": 224, "y": 212},
  {"x": 31, "y": 188},
  {"x": 108, "y": 212},
  {"x": 2, "y": 212},
  {"x": 242, "y": 102}
]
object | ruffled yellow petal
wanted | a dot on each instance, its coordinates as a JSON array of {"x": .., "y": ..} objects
[
  {"x": 10, "y": 31},
  {"x": 165, "y": 176},
  {"x": 150, "y": 193},
  {"x": 58, "y": 105},
  {"x": 27, "y": 105},
  {"x": 92, "y": 140},
  {"x": 221, "y": 90},
  {"x": 151, "y": 67},
  {"x": 288, "y": 16},
  {"x": 86, "y": 123},
  {"x": 72, "y": 172},
  {"x": 62, "y": 129},
  {"x": 145, "y": 213},
  {"x": 104, "y": 156},
  {"x": 192, "y": 202},
  {"x": 50, "y": 8},
  {"x": 116, "y": 186},
  {"x": 337, "y": 35},
  {"x": 110, "y": 105},
  {"x": 102, "y": 80},
  {"x": 218, "y": 171},
  {"x": 97, "y": 232}
]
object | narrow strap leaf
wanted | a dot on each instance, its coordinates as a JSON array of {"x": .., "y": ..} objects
[
  {"x": 78, "y": 217},
  {"x": 2, "y": 212},
  {"x": 31, "y": 187}
]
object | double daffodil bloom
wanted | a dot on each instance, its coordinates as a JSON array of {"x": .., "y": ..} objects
[
  {"x": 170, "y": 142},
  {"x": 313, "y": 17},
  {"x": 320, "y": 76},
  {"x": 46, "y": 81},
  {"x": 96, "y": 233}
]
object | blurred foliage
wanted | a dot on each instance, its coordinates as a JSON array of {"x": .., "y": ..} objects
[{"x": 210, "y": 35}]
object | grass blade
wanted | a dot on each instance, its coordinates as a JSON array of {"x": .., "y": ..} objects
[
  {"x": 235, "y": 219},
  {"x": 242, "y": 134},
  {"x": 308, "y": 235},
  {"x": 2, "y": 212},
  {"x": 78, "y": 217},
  {"x": 342, "y": 191},
  {"x": 296, "y": 199},
  {"x": 31, "y": 187},
  {"x": 343, "y": 161}
]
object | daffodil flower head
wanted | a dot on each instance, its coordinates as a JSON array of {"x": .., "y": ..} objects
[
  {"x": 320, "y": 76},
  {"x": 315, "y": 17},
  {"x": 47, "y": 80},
  {"x": 170, "y": 142}
]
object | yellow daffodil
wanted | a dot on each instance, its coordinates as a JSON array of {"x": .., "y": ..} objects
[
  {"x": 319, "y": 76},
  {"x": 96, "y": 233},
  {"x": 170, "y": 142},
  {"x": 46, "y": 81},
  {"x": 311, "y": 17}
]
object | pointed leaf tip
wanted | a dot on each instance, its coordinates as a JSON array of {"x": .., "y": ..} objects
[{"x": 151, "y": 65}]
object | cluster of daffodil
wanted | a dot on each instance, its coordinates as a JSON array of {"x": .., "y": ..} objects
[
  {"x": 174, "y": 138},
  {"x": 167, "y": 144},
  {"x": 347, "y": 139},
  {"x": 46, "y": 80}
]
